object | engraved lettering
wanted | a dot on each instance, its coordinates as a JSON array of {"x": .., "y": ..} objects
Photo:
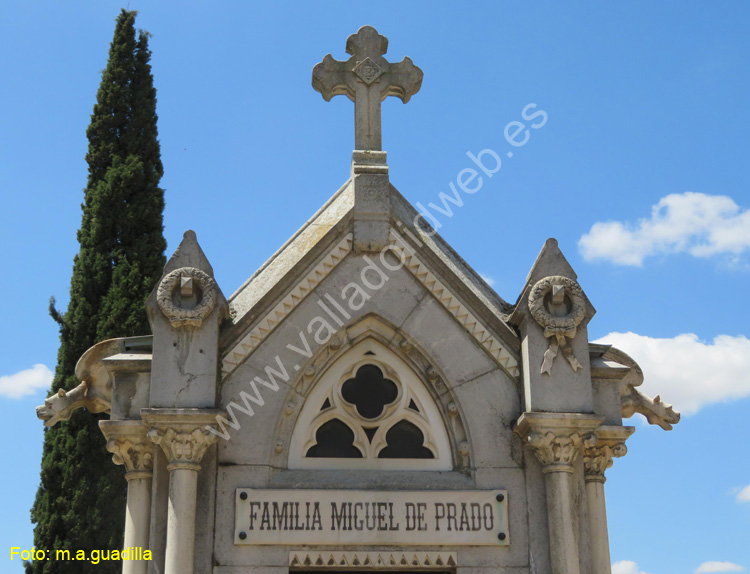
[
  {"x": 451, "y": 516},
  {"x": 464, "y": 523},
  {"x": 279, "y": 516},
  {"x": 439, "y": 514},
  {"x": 489, "y": 517},
  {"x": 253, "y": 514},
  {"x": 338, "y": 519}
]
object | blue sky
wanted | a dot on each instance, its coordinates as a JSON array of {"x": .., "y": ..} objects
[{"x": 640, "y": 173}]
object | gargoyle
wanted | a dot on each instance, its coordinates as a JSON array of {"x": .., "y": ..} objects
[
  {"x": 655, "y": 411},
  {"x": 634, "y": 401},
  {"x": 60, "y": 406},
  {"x": 94, "y": 393}
]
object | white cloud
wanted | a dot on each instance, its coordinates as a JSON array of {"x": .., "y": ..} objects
[
  {"x": 708, "y": 567},
  {"x": 25, "y": 382},
  {"x": 744, "y": 494},
  {"x": 696, "y": 223},
  {"x": 626, "y": 567},
  {"x": 487, "y": 279},
  {"x": 687, "y": 372}
]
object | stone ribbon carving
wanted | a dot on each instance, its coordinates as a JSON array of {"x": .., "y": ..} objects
[
  {"x": 192, "y": 283},
  {"x": 184, "y": 450},
  {"x": 557, "y": 452},
  {"x": 548, "y": 304}
]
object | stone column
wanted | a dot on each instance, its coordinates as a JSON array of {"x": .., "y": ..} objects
[
  {"x": 184, "y": 437},
  {"x": 130, "y": 446},
  {"x": 596, "y": 460},
  {"x": 557, "y": 439}
]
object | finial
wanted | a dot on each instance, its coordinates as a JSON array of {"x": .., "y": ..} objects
[{"x": 367, "y": 78}]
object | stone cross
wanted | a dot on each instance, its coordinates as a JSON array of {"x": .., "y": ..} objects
[{"x": 367, "y": 79}]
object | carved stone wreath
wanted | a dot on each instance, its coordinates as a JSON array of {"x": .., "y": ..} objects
[
  {"x": 558, "y": 328},
  {"x": 184, "y": 316}
]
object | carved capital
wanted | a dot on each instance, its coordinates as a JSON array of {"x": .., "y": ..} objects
[
  {"x": 138, "y": 458},
  {"x": 598, "y": 458},
  {"x": 557, "y": 452},
  {"x": 558, "y": 438},
  {"x": 130, "y": 447},
  {"x": 610, "y": 445},
  {"x": 183, "y": 434},
  {"x": 184, "y": 450}
]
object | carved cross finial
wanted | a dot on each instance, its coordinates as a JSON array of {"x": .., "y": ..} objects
[{"x": 367, "y": 79}]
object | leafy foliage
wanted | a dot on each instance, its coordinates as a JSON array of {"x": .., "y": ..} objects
[{"x": 80, "y": 504}]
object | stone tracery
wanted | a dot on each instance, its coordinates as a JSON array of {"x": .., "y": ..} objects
[
  {"x": 420, "y": 423},
  {"x": 381, "y": 413}
]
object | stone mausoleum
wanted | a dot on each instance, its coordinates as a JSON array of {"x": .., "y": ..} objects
[{"x": 364, "y": 402}]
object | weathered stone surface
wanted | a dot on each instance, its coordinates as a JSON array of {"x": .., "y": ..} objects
[
  {"x": 506, "y": 397},
  {"x": 124, "y": 363},
  {"x": 452, "y": 347},
  {"x": 184, "y": 437},
  {"x": 130, "y": 447},
  {"x": 366, "y": 78},
  {"x": 159, "y": 512},
  {"x": 493, "y": 403},
  {"x": 94, "y": 393},
  {"x": 552, "y": 383},
  {"x": 130, "y": 372},
  {"x": 323, "y": 230},
  {"x": 186, "y": 330}
]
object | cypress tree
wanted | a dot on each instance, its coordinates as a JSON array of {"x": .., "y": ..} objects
[{"x": 80, "y": 503}]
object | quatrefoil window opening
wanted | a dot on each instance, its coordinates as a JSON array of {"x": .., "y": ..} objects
[
  {"x": 409, "y": 434},
  {"x": 370, "y": 414}
]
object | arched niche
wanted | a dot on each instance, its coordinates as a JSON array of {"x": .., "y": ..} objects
[{"x": 371, "y": 400}]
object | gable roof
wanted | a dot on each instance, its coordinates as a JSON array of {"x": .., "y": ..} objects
[{"x": 291, "y": 273}]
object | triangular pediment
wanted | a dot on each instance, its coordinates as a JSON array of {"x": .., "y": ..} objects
[{"x": 263, "y": 302}]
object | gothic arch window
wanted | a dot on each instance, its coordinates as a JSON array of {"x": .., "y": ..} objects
[{"x": 370, "y": 410}]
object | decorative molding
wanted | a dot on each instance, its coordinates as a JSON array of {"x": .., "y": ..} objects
[
  {"x": 453, "y": 305},
  {"x": 558, "y": 322},
  {"x": 192, "y": 282},
  {"x": 128, "y": 442},
  {"x": 371, "y": 560},
  {"x": 448, "y": 300},
  {"x": 271, "y": 320}
]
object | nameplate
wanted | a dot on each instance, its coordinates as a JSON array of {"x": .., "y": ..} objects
[{"x": 368, "y": 517}]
